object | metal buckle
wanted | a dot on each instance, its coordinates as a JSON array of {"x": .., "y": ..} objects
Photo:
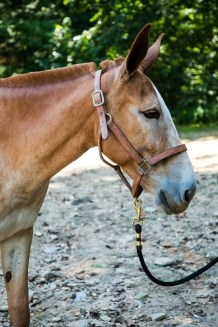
[
  {"x": 141, "y": 168},
  {"x": 100, "y": 100}
]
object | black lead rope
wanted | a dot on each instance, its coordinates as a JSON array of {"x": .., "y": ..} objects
[{"x": 138, "y": 229}]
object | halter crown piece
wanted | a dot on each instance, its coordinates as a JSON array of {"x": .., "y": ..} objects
[
  {"x": 144, "y": 164},
  {"x": 98, "y": 102}
]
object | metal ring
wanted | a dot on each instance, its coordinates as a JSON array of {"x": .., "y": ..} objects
[{"x": 110, "y": 118}]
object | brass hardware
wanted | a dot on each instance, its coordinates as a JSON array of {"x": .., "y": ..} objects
[
  {"x": 138, "y": 240},
  {"x": 97, "y": 98},
  {"x": 144, "y": 170},
  {"x": 137, "y": 205},
  {"x": 110, "y": 118}
]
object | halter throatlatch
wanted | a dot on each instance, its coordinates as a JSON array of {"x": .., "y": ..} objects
[{"x": 144, "y": 166}]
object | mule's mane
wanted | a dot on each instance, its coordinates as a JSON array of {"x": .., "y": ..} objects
[
  {"x": 48, "y": 76},
  {"x": 57, "y": 75}
]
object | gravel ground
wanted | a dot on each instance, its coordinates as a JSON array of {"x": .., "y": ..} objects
[{"x": 84, "y": 270}]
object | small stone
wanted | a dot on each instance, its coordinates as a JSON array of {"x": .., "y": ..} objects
[
  {"x": 120, "y": 320},
  {"x": 71, "y": 285},
  {"x": 78, "y": 323},
  {"x": 203, "y": 294},
  {"x": 56, "y": 319},
  {"x": 3, "y": 308},
  {"x": 96, "y": 323},
  {"x": 158, "y": 316},
  {"x": 38, "y": 233},
  {"x": 31, "y": 293},
  {"x": 53, "y": 237},
  {"x": 105, "y": 318},
  {"x": 6, "y": 324},
  {"x": 150, "y": 209},
  {"x": 50, "y": 249},
  {"x": 50, "y": 276},
  {"x": 81, "y": 296},
  {"x": 74, "y": 312},
  {"x": 165, "y": 261},
  {"x": 85, "y": 199}
]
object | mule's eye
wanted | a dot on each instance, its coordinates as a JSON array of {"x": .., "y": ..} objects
[{"x": 151, "y": 114}]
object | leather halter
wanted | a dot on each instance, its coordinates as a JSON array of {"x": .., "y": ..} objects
[{"x": 144, "y": 165}]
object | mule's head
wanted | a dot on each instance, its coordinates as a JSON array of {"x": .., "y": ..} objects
[{"x": 138, "y": 109}]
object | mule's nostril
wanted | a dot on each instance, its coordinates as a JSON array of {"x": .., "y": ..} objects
[{"x": 189, "y": 195}]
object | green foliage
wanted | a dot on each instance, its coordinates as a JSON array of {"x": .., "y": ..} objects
[
  {"x": 41, "y": 34},
  {"x": 196, "y": 131}
]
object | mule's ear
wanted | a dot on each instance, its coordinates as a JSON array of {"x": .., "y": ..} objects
[
  {"x": 136, "y": 54},
  {"x": 152, "y": 55}
]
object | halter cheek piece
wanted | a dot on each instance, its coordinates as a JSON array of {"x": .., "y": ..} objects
[{"x": 144, "y": 165}]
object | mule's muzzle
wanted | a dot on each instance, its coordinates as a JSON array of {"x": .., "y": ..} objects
[{"x": 173, "y": 201}]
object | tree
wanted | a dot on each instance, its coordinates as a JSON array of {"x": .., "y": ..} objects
[{"x": 41, "y": 34}]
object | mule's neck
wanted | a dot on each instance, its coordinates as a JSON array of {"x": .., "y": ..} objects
[{"x": 52, "y": 124}]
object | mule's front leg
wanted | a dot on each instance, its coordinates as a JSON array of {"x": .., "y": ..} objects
[{"x": 15, "y": 259}]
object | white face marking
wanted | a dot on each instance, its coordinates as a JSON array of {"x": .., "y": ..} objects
[
  {"x": 167, "y": 117},
  {"x": 161, "y": 133}
]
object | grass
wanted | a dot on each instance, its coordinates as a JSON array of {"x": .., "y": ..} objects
[{"x": 193, "y": 132}]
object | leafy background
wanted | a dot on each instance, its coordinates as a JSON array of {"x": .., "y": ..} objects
[{"x": 40, "y": 34}]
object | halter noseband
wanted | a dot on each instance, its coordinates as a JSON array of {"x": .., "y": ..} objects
[{"x": 144, "y": 165}]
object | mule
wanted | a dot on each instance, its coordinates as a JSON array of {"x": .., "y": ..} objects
[{"x": 48, "y": 120}]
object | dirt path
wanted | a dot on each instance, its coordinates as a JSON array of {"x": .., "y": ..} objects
[{"x": 84, "y": 270}]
